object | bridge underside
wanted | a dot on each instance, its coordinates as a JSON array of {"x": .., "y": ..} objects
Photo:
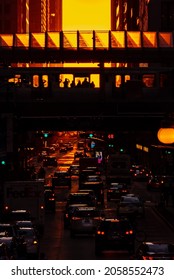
[
  {"x": 164, "y": 55},
  {"x": 88, "y": 116},
  {"x": 121, "y": 123}
]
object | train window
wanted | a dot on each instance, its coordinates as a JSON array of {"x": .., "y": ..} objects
[
  {"x": 65, "y": 80},
  {"x": 45, "y": 80},
  {"x": 126, "y": 78},
  {"x": 149, "y": 80},
  {"x": 95, "y": 78},
  {"x": 118, "y": 81},
  {"x": 36, "y": 81}
]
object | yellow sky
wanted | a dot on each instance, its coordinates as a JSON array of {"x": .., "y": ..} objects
[{"x": 86, "y": 15}]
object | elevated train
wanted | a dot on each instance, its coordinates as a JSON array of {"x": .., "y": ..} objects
[{"x": 111, "y": 82}]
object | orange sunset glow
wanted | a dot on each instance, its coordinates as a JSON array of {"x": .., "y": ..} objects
[{"x": 86, "y": 15}]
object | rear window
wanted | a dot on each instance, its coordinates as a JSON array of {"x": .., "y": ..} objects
[
  {"x": 121, "y": 225},
  {"x": 160, "y": 248},
  {"x": 87, "y": 213},
  {"x": 130, "y": 200},
  {"x": 79, "y": 199}
]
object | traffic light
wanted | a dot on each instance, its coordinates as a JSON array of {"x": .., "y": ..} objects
[
  {"x": 111, "y": 145},
  {"x": 3, "y": 162},
  {"x": 91, "y": 135},
  {"x": 111, "y": 136},
  {"x": 45, "y": 135}
]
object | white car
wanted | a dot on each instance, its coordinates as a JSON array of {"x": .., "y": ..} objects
[{"x": 130, "y": 205}]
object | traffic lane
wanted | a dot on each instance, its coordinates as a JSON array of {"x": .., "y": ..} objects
[{"x": 58, "y": 244}]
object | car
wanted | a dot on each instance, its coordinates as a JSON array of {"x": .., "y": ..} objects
[
  {"x": 114, "y": 234},
  {"x": 74, "y": 169},
  {"x": 155, "y": 251},
  {"x": 50, "y": 161},
  {"x": 116, "y": 190},
  {"x": 4, "y": 252},
  {"x": 85, "y": 220},
  {"x": 130, "y": 205},
  {"x": 155, "y": 183},
  {"x": 68, "y": 212},
  {"x": 78, "y": 154},
  {"x": 15, "y": 215},
  {"x": 84, "y": 173},
  {"x": 11, "y": 246},
  {"x": 61, "y": 178},
  {"x": 24, "y": 224},
  {"x": 91, "y": 192},
  {"x": 63, "y": 150},
  {"x": 32, "y": 242},
  {"x": 8, "y": 229},
  {"x": 49, "y": 201},
  {"x": 80, "y": 198},
  {"x": 94, "y": 183},
  {"x": 141, "y": 173}
]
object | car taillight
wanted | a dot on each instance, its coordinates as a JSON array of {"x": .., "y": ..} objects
[
  {"x": 129, "y": 232},
  {"x": 100, "y": 232},
  {"x": 98, "y": 173},
  {"x": 51, "y": 199},
  {"x": 110, "y": 191},
  {"x": 97, "y": 218},
  {"x": 124, "y": 191},
  {"x": 66, "y": 215},
  {"x": 147, "y": 258}
]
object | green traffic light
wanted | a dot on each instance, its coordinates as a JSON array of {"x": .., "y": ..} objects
[
  {"x": 3, "y": 162},
  {"x": 121, "y": 150},
  {"x": 45, "y": 135},
  {"x": 90, "y": 135}
]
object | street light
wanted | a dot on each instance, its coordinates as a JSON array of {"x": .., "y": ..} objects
[{"x": 166, "y": 132}]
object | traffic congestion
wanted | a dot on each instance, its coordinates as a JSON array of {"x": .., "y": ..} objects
[{"x": 80, "y": 203}]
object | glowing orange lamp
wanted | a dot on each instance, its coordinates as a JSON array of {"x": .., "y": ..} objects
[{"x": 166, "y": 133}]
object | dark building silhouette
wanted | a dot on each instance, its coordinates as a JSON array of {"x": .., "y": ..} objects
[{"x": 21, "y": 16}]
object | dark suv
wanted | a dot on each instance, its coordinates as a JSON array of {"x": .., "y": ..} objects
[{"x": 114, "y": 234}]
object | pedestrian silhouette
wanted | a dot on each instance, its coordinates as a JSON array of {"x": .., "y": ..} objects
[
  {"x": 72, "y": 83},
  {"x": 85, "y": 83},
  {"x": 66, "y": 83},
  {"x": 79, "y": 84}
]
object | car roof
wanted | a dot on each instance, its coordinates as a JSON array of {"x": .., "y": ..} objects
[
  {"x": 78, "y": 193},
  {"x": 86, "y": 208},
  {"x": 159, "y": 246},
  {"x": 19, "y": 211},
  {"x": 26, "y": 228},
  {"x": 129, "y": 199}
]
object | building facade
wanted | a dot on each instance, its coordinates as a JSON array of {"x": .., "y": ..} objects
[{"x": 22, "y": 16}]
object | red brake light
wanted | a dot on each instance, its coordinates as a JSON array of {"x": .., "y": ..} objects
[
  {"x": 147, "y": 258},
  {"x": 129, "y": 232},
  {"x": 100, "y": 232}
]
